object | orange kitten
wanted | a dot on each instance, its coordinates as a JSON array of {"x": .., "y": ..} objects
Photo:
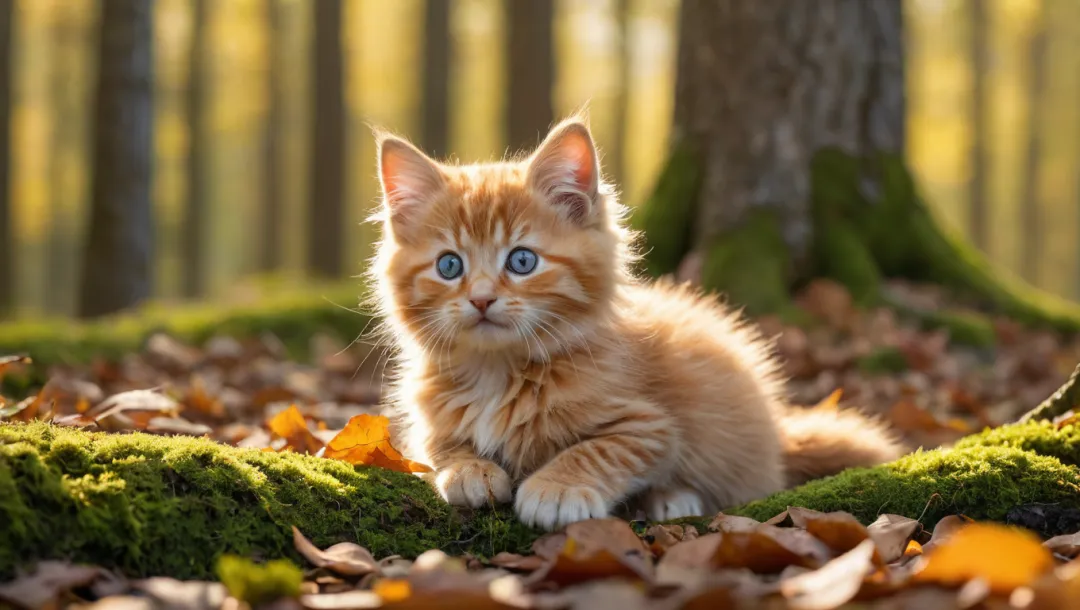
[{"x": 531, "y": 358}]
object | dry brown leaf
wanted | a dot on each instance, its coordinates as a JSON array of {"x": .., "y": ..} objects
[
  {"x": 840, "y": 531},
  {"x": 732, "y": 523},
  {"x": 177, "y": 425},
  {"x": 513, "y": 561},
  {"x": 50, "y": 580},
  {"x": 1066, "y": 546},
  {"x": 1005, "y": 557},
  {"x": 891, "y": 534},
  {"x": 291, "y": 426},
  {"x": 594, "y": 549},
  {"x": 834, "y": 584},
  {"x": 200, "y": 400},
  {"x": 666, "y": 536},
  {"x": 945, "y": 529},
  {"x": 366, "y": 441},
  {"x": 345, "y": 558},
  {"x": 8, "y": 362},
  {"x": 133, "y": 410},
  {"x": 178, "y": 594},
  {"x": 767, "y": 551}
]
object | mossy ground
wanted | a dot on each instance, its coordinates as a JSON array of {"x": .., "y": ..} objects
[
  {"x": 171, "y": 506},
  {"x": 151, "y": 505}
]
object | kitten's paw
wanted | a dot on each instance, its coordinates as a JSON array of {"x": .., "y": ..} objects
[
  {"x": 549, "y": 505},
  {"x": 665, "y": 504},
  {"x": 473, "y": 483}
]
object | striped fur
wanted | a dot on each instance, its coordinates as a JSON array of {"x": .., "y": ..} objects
[{"x": 588, "y": 388}]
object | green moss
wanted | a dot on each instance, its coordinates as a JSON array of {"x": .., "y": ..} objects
[
  {"x": 840, "y": 254},
  {"x": 666, "y": 218},
  {"x": 749, "y": 265},
  {"x": 293, "y": 316},
  {"x": 172, "y": 505},
  {"x": 904, "y": 240},
  {"x": 982, "y": 477},
  {"x": 257, "y": 584},
  {"x": 884, "y": 360},
  {"x": 1040, "y": 437}
]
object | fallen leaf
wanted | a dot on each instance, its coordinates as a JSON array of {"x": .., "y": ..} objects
[
  {"x": 666, "y": 536},
  {"x": 834, "y": 584},
  {"x": 733, "y": 523},
  {"x": 178, "y": 594},
  {"x": 1005, "y": 557},
  {"x": 177, "y": 425},
  {"x": 840, "y": 531},
  {"x": 7, "y": 362},
  {"x": 594, "y": 549},
  {"x": 133, "y": 410},
  {"x": 346, "y": 600},
  {"x": 513, "y": 561},
  {"x": 42, "y": 588},
  {"x": 914, "y": 549},
  {"x": 345, "y": 558},
  {"x": 767, "y": 550},
  {"x": 291, "y": 426},
  {"x": 1067, "y": 545},
  {"x": 891, "y": 534},
  {"x": 945, "y": 529},
  {"x": 830, "y": 402},
  {"x": 365, "y": 440}
]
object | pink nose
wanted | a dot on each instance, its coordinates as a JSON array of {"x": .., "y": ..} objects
[{"x": 482, "y": 305}]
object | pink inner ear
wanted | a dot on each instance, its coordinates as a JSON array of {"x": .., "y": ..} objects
[{"x": 577, "y": 149}]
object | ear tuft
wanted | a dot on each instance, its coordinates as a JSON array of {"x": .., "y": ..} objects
[
  {"x": 565, "y": 169},
  {"x": 408, "y": 177}
]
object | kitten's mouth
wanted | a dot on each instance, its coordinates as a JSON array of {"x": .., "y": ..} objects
[{"x": 488, "y": 323}]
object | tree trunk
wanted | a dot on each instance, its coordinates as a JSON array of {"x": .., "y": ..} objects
[
  {"x": 617, "y": 159},
  {"x": 193, "y": 237},
  {"x": 117, "y": 264},
  {"x": 788, "y": 162},
  {"x": 325, "y": 231},
  {"x": 436, "y": 78},
  {"x": 978, "y": 213},
  {"x": 531, "y": 74},
  {"x": 271, "y": 250},
  {"x": 1030, "y": 212},
  {"x": 7, "y": 229}
]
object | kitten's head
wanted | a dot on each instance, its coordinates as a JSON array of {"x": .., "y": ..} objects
[{"x": 522, "y": 256}]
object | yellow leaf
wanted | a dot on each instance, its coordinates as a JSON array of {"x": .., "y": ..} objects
[
  {"x": 392, "y": 589},
  {"x": 366, "y": 441},
  {"x": 1004, "y": 557}
]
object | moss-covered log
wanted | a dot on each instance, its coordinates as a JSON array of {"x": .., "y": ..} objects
[{"x": 172, "y": 505}]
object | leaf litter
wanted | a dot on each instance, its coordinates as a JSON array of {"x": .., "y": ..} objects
[{"x": 930, "y": 388}]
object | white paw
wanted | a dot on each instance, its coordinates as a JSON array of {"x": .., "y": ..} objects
[
  {"x": 546, "y": 504},
  {"x": 473, "y": 483},
  {"x": 665, "y": 504}
]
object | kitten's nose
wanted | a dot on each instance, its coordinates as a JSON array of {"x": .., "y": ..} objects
[{"x": 482, "y": 305}]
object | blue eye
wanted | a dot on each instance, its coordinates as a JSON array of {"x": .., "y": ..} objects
[
  {"x": 449, "y": 266},
  {"x": 522, "y": 261}
]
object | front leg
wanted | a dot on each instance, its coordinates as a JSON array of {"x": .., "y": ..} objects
[
  {"x": 463, "y": 479},
  {"x": 587, "y": 479}
]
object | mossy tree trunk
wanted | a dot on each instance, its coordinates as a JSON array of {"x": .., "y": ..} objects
[{"x": 788, "y": 162}]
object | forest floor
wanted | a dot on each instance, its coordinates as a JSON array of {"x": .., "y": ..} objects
[{"x": 247, "y": 393}]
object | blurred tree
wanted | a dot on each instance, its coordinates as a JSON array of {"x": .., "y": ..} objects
[
  {"x": 617, "y": 159},
  {"x": 788, "y": 163},
  {"x": 1031, "y": 233},
  {"x": 326, "y": 222},
  {"x": 978, "y": 211},
  {"x": 193, "y": 246},
  {"x": 118, "y": 260},
  {"x": 531, "y": 68},
  {"x": 7, "y": 230},
  {"x": 271, "y": 250},
  {"x": 436, "y": 78}
]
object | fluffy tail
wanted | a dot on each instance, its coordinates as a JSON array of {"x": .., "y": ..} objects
[{"x": 820, "y": 441}]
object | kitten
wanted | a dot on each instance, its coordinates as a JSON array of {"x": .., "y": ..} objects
[{"x": 531, "y": 357}]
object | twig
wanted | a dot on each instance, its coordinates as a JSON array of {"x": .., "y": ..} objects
[{"x": 1066, "y": 397}]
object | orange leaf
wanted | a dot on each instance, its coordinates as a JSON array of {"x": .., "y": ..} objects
[
  {"x": 1004, "y": 557},
  {"x": 830, "y": 402},
  {"x": 366, "y": 441},
  {"x": 290, "y": 425}
]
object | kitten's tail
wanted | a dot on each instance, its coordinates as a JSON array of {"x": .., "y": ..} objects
[{"x": 822, "y": 441}]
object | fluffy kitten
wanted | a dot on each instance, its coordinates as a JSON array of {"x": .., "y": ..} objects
[{"x": 531, "y": 358}]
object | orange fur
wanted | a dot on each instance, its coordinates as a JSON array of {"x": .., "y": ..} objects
[{"x": 577, "y": 383}]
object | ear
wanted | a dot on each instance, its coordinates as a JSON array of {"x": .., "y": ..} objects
[
  {"x": 565, "y": 169},
  {"x": 409, "y": 178}
]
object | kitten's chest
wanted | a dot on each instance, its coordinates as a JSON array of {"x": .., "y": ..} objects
[{"x": 518, "y": 420}]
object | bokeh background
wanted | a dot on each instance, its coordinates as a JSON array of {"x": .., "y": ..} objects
[{"x": 993, "y": 122}]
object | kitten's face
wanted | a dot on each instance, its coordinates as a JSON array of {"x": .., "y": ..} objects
[{"x": 497, "y": 257}]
